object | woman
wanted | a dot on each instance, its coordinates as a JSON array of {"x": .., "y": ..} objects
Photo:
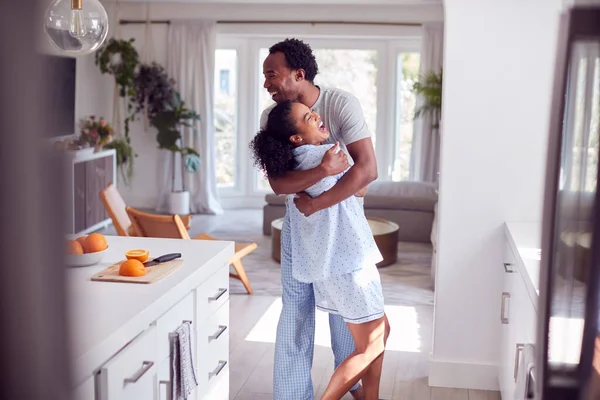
[{"x": 333, "y": 249}]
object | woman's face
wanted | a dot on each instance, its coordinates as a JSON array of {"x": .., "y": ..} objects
[{"x": 310, "y": 128}]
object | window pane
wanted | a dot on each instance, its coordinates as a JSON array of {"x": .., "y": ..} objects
[
  {"x": 225, "y": 117},
  {"x": 264, "y": 101},
  {"x": 354, "y": 71},
  {"x": 407, "y": 74}
]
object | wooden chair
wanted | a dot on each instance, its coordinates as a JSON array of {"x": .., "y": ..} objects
[
  {"x": 171, "y": 226},
  {"x": 115, "y": 207}
]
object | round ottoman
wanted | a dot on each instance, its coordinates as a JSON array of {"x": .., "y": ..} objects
[
  {"x": 385, "y": 234},
  {"x": 276, "y": 226}
]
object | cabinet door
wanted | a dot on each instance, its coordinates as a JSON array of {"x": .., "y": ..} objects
[
  {"x": 79, "y": 193},
  {"x": 96, "y": 176},
  {"x": 507, "y": 318},
  {"x": 132, "y": 373}
]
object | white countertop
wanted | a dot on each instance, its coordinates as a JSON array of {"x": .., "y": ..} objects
[
  {"x": 525, "y": 239},
  {"x": 104, "y": 316}
]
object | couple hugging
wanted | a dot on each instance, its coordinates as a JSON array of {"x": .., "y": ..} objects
[{"x": 328, "y": 253}]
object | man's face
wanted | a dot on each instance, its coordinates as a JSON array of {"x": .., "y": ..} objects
[{"x": 280, "y": 80}]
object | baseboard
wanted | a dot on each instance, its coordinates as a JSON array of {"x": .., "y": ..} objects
[{"x": 463, "y": 375}]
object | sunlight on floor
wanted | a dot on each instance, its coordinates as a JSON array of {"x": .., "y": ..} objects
[{"x": 405, "y": 334}]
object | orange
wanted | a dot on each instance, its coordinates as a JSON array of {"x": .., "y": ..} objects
[
  {"x": 132, "y": 268},
  {"x": 74, "y": 247},
  {"x": 94, "y": 242},
  {"x": 138, "y": 254},
  {"x": 81, "y": 240}
]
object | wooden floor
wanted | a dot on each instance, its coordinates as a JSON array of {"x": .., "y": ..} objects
[{"x": 253, "y": 322}]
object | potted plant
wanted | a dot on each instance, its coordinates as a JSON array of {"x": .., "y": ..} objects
[
  {"x": 169, "y": 123},
  {"x": 429, "y": 88}
]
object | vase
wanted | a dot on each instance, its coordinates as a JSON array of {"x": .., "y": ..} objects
[{"x": 178, "y": 203}]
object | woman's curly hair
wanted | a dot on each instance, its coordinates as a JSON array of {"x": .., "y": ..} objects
[{"x": 271, "y": 147}]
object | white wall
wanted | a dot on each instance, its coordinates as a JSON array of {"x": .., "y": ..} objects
[
  {"x": 498, "y": 71},
  {"x": 95, "y": 92}
]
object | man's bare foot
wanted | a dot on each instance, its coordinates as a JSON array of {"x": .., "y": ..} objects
[{"x": 358, "y": 394}]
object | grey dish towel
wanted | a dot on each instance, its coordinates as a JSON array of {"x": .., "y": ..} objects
[
  {"x": 183, "y": 376},
  {"x": 526, "y": 363}
]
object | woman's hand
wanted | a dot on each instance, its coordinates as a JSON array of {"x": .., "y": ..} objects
[
  {"x": 334, "y": 161},
  {"x": 304, "y": 204}
]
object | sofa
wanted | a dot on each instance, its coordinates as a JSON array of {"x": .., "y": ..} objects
[{"x": 409, "y": 204}]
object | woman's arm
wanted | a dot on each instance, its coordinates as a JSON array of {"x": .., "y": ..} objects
[{"x": 363, "y": 172}]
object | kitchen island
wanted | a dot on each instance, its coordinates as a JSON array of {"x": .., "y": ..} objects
[{"x": 119, "y": 332}]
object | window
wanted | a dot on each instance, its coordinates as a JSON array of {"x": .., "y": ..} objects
[
  {"x": 407, "y": 69},
  {"x": 225, "y": 116},
  {"x": 379, "y": 72},
  {"x": 354, "y": 71}
]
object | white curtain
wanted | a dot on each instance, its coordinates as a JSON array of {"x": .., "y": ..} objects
[
  {"x": 191, "y": 62},
  {"x": 425, "y": 152}
]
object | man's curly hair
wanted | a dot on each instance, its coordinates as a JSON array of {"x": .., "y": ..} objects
[
  {"x": 271, "y": 147},
  {"x": 298, "y": 55}
]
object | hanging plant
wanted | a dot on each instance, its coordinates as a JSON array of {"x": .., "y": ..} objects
[
  {"x": 153, "y": 89},
  {"x": 125, "y": 156},
  {"x": 119, "y": 58}
]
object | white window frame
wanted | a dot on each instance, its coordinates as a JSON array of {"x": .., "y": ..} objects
[{"x": 248, "y": 41}]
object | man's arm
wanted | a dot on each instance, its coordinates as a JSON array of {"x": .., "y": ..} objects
[
  {"x": 363, "y": 172},
  {"x": 298, "y": 181}
]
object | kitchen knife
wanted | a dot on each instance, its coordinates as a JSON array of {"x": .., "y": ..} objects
[{"x": 162, "y": 259}]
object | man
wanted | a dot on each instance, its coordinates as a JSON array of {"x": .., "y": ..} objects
[{"x": 289, "y": 72}]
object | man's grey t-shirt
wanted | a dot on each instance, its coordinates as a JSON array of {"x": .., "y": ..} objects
[{"x": 341, "y": 113}]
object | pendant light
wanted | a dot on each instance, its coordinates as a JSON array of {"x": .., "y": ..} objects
[{"x": 76, "y": 27}]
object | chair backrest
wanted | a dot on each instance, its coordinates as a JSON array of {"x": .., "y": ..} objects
[
  {"x": 159, "y": 226},
  {"x": 115, "y": 207}
]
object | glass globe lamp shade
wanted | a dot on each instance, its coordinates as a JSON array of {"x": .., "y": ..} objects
[{"x": 76, "y": 27}]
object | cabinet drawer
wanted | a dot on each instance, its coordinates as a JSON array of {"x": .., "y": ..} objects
[
  {"x": 212, "y": 294},
  {"x": 219, "y": 389},
  {"x": 130, "y": 374},
  {"x": 213, "y": 347},
  {"x": 171, "y": 320}
]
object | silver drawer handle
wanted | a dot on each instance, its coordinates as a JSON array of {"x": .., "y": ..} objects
[
  {"x": 518, "y": 350},
  {"x": 217, "y": 370},
  {"x": 220, "y": 293},
  {"x": 503, "y": 319},
  {"x": 222, "y": 328},
  {"x": 168, "y": 385},
  {"x": 508, "y": 271},
  {"x": 146, "y": 365}
]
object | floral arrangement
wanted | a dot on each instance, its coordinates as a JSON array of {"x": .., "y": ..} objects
[{"x": 95, "y": 132}]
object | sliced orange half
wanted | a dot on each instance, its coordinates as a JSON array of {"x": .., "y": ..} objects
[{"x": 137, "y": 254}]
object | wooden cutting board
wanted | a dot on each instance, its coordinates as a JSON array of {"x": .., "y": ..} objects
[{"x": 153, "y": 274}]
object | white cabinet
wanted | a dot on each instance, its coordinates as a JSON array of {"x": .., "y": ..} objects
[
  {"x": 212, "y": 314},
  {"x": 123, "y": 331},
  {"x": 517, "y": 322}
]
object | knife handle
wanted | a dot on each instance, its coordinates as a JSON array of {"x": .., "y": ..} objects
[{"x": 167, "y": 257}]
